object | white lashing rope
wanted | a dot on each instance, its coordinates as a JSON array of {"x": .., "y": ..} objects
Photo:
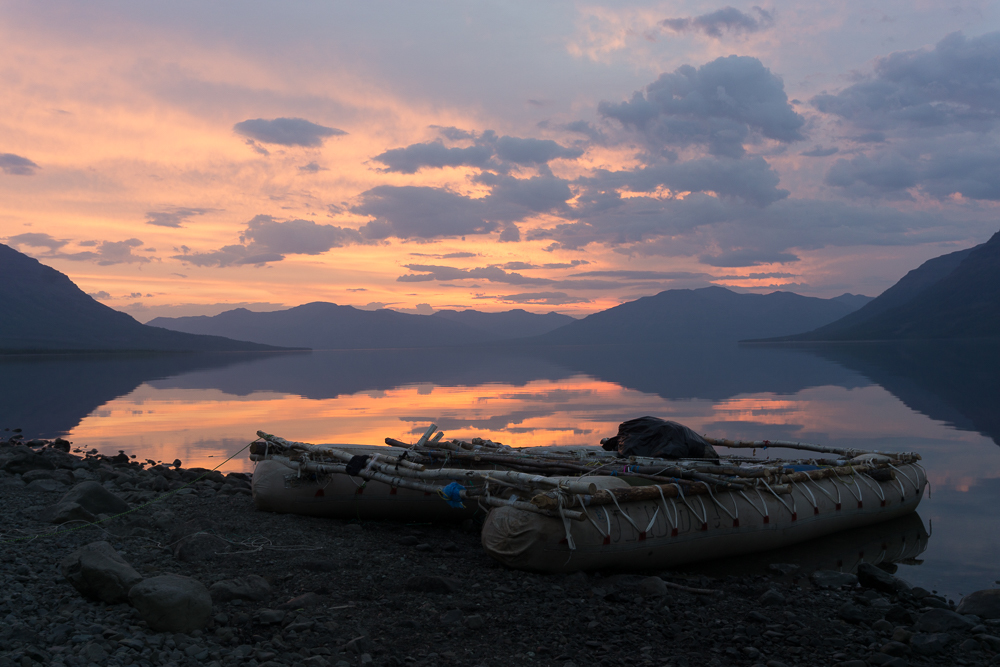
[
  {"x": 734, "y": 517},
  {"x": 848, "y": 486},
  {"x": 915, "y": 488},
  {"x": 762, "y": 502},
  {"x": 815, "y": 504},
  {"x": 704, "y": 517},
  {"x": 675, "y": 522},
  {"x": 781, "y": 500},
  {"x": 627, "y": 517},
  {"x": 876, "y": 486},
  {"x": 820, "y": 487},
  {"x": 607, "y": 518},
  {"x": 566, "y": 524}
]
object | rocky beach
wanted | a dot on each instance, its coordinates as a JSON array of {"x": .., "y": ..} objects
[{"x": 114, "y": 561}]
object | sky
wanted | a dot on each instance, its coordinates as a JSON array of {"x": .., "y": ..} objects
[{"x": 187, "y": 158}]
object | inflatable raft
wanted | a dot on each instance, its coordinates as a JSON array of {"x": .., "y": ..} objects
[
  {"x": 561, "y": 509},
  {"x": 669, "y": 529}
]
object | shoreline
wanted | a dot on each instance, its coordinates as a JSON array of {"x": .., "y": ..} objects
[{"x": 338, "y": 593}]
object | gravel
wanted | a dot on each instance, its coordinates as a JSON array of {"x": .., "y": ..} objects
[{"x": 292, "y": 590}]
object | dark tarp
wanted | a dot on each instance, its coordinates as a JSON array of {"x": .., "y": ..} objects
[{"x": 651, "y": 436}]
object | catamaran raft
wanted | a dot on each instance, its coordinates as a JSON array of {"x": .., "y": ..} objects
[{"x": 561, "y": 509}]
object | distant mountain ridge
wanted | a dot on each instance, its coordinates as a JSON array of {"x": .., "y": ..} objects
[
  {"x": 327, "y": 326},
  {"x": 44, "y": 311},
  {"x": 953, "y": 296},
  {"x": 699, "y": 315}
]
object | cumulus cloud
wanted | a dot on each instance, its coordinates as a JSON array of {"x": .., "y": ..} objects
[
  {"x": 286, "y": 131},
  {"x": 174, "y": 216},
  {"x": 419, "y": 212},
  {"x": 266, "y": 240},
  {"x": 296, "y": 237},
  {"x": 725, "y": 20},
  {"x": 488, "y": 151},
  {"x": 36, "y": 240},
  {"x": 953, "y": 85},
  {"x": 108, "y": 253},
  {"x": 100, "y": 295},
  {"x": 15, "y": 165},
  {"x": 312, "y": 168},
  {"x": 720, "y": 106},
  {"x": 493, "y": 274},
  {"x": 542, "y": 298},
  {"x": 412, "y": 158},
  {"x": 926, "y": 120},
  {"x": 750, "y": 179}
]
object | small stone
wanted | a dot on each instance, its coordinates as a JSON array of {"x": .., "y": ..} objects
[
  {"x": 771, "y": 597},
  {"x": 984, "y": 604},
  {"x": 831, "y": 579},
  {"x": 423, "y": 547},
  {"x": 474, "y": 622},
  {"x": 852, "y": 663},
  {"x": 942, "y": 620},
  {"x": 172, "y": 603},
  {"x": 408, "y": 541},
  {"x": 353, "y": 528},
  {"x": 358, "y": 645},
  {"x": 851, "y": 613},
  {"x": 895, "y": 649},
  {"x": 929, "y": 643},
  {"x": 452, "y": 617},
  {"x": 901, "y": 635},
  {"x": 782, "y": 568},
  {"x": 970, "y": 645},
  {"x": 883, "y": 626},
  {"x": 750, "y": 652},
  {"x": 251, "y": 587},
  {"x": 98, "y": 572},
  {"x": 653, "y": 587},
  {"x": 271, "y": 616}
]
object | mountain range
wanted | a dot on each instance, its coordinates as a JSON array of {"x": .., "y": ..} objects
[
  {"x": 674, "y": 316},
  {"x": 954, "y": 296},
  {"x": 43, "y": 311}
]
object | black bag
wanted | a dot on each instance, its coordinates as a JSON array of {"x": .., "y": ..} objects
[{"x": 650, "y": 436}]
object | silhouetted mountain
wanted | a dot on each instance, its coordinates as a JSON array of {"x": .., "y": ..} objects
[
  {"x": 708, "y": 314},
  {"x": 517, "y": 323},
  {"x": 854, "y": 301},
  {"x": 42, "y": 310},
  {"x": 327, "y": 326},
  {"x": 956, "y": 382},
  {"x": 952, "y": 296}
]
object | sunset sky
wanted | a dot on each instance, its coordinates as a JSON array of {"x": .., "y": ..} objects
[{"x": 187, "y": 157}]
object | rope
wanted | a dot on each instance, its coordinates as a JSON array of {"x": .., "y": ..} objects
[
  {"x": 763, "y": 504},
  {"x": 734, "y": 517},
  {"x": 781, "y": 500},
  {"x": 134, "y": 509}
]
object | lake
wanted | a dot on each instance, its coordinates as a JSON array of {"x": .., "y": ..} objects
[{"x": 942, "y": 401}]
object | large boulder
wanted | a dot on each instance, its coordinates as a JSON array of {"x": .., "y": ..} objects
[
  {"x": 942, "y": 620},
  {"x": 21, "y": 460},
  {"x": 198, "y": 547},
  {"x": 95, "y": 499},
  {"x": 172, "y": 603},
  {"x": 98, "y": 572},
  {"x": 251, "y": 587},
  {"x": 62, "y": 512},
  {"x": 870, "y": 576},
  {"x": 831, "y": 579},
  {"x": 984, "y": 604}
]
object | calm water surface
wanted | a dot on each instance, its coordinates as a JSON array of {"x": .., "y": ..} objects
[{"x": 941, "y": 401}]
